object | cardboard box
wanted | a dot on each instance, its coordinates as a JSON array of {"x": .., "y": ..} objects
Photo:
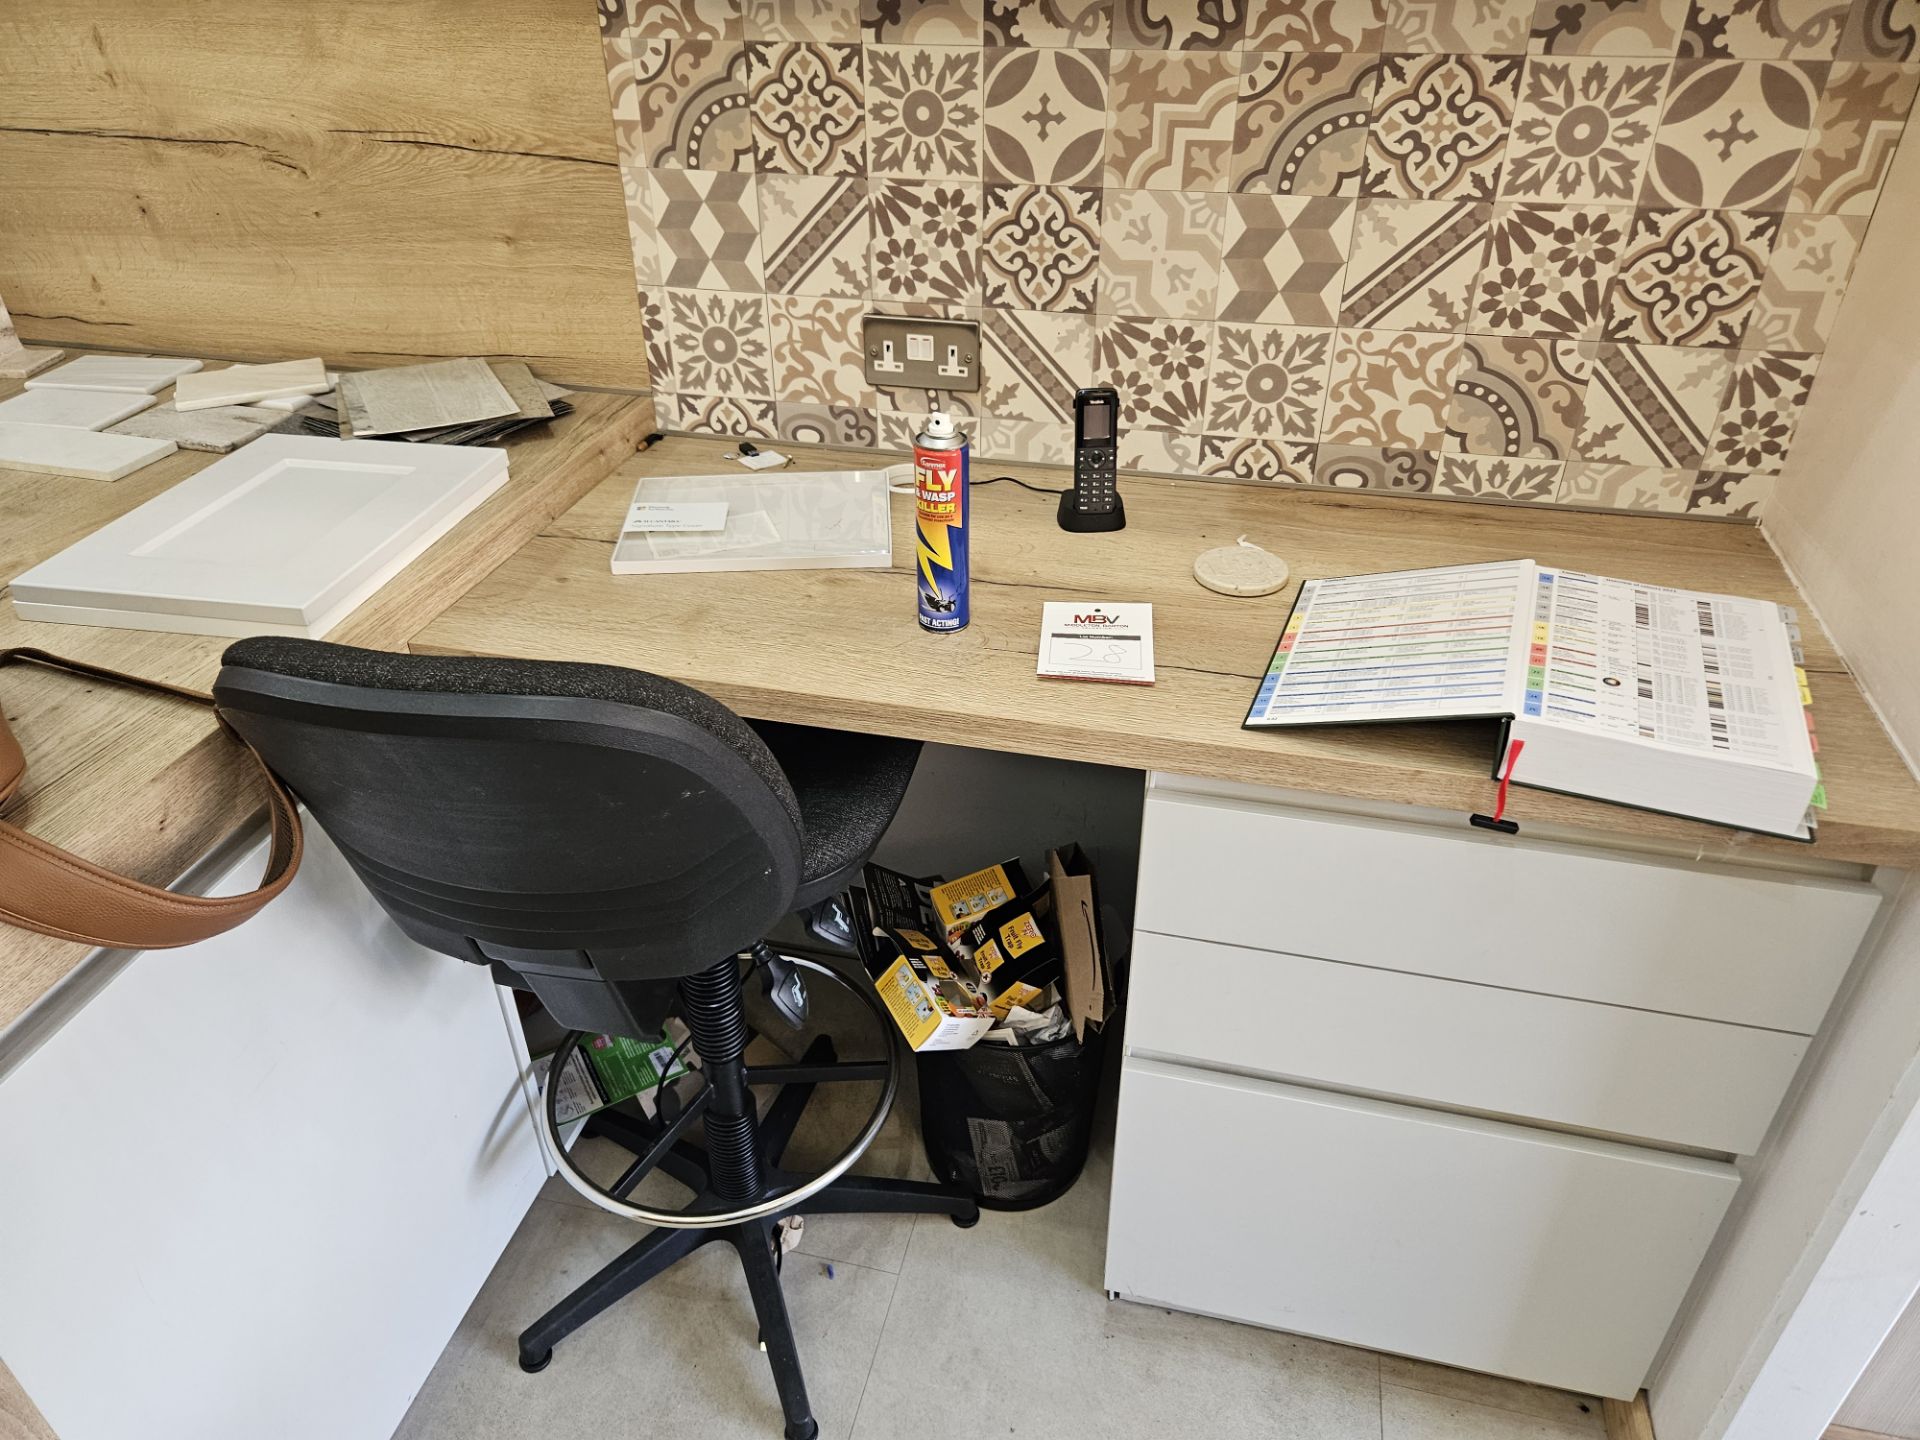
[
  {"x": 945, "y": 988},
  {"x": 934, "y": 996},
  {"x": 607, "y": 1069},
  {"x": 935, "y": 1003},
  {"x": 1013, "y": 953},
  {"x": 1086, "y": 978},
  {"x": 958, "y": 903},
  {"x": 894, "y": 900}
]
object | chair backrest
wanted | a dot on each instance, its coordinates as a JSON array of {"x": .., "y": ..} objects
[{"x": 590, "y": 832}]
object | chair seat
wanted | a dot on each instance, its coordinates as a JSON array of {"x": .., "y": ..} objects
[{"x": 849, "y": 787}]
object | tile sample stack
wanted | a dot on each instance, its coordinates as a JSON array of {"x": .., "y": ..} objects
[
  {"x": 410, "y": 398},
  {"x": 45, "y": 429},
  {"x": 448, "y": 402}
]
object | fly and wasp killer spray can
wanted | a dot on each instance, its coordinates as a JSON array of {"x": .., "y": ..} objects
[{"x": 940, "y": 523}]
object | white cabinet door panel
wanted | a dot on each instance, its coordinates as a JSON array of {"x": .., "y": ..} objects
[
  {"x": 1751, "y": 948},
  {"x": 284, "y": 536},
  {"x": 1482, "y": 1245},
  {"x": 1636, "y": 1073},
  {"x": 251, "y": 1187}
]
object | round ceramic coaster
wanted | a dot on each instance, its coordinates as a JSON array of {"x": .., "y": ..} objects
[{"x": 1241, "y": 569}]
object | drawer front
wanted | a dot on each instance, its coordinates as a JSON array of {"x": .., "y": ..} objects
[
  {"x": 1568, "y": 1062},
  {"x": 1466, "y": 1242},
  {"x": 1748, "y": 948}
]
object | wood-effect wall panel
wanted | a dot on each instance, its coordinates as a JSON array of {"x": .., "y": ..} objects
[{"x": 373, "y": 182}]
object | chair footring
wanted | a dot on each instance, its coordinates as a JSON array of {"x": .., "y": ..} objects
[{"x": 752, "y": 1240}]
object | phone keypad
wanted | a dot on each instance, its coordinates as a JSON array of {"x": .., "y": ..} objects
[{"x": 1094, "y": 480}]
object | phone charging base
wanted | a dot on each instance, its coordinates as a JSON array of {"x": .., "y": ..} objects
[{"x": 1084, "y": 524}]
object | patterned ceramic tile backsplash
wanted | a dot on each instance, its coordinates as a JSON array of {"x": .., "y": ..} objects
[{"x": 1580, "y": 251}]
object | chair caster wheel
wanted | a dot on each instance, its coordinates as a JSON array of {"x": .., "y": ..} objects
[
  {"x": 968, "y": 1220},
  {"x": 810, "y": 1430},
  {"x": 534, "y": 1367}
]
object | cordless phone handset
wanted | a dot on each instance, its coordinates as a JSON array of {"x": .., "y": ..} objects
[{"x": 1094, "y": 503}]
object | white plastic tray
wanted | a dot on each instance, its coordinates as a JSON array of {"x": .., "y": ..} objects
[{"x": 820, "y": 520}]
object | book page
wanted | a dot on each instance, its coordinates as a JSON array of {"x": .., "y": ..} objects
[
  {"x": 1695, "y": 672},
  {"x": 1406, "y": 645}
]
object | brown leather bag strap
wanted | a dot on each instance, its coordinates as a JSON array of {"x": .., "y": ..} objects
[{"x": 44, "y": 888}]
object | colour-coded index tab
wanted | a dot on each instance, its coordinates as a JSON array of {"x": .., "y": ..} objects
[{"x": 1537, "y": 648}]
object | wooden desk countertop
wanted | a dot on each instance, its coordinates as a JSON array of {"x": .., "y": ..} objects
[
  {"x": 842, "y": 648},
  {"x": 148, "y": 786}
]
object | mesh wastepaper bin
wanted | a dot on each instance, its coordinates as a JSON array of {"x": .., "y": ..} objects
[{"x": 1011, "y": 1123}]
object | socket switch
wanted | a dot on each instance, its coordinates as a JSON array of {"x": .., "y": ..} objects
[{"x": 917, "y": 354}]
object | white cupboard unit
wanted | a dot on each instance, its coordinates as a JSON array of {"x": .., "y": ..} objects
[
  {"x": 1476, "y": 1099},
  {"x": 250, "y": 1187}
]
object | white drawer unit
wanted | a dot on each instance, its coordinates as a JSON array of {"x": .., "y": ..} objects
[
  {"x": 1748, "y": 947},
  {"x": 1472, "y": 1243},
  {"x": 1635, "y": 1073},
  {"x": 1466, "y": 1097}
]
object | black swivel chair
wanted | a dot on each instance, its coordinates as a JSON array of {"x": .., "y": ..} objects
[{"x": 612, "y": 841}]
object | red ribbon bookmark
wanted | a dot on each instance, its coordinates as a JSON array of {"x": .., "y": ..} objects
[{"x": 1493, "y": 821}]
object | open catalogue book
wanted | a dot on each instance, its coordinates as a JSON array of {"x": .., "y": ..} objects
[{"x": 1670, "y": 700}]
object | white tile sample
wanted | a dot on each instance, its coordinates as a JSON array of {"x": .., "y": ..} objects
[
  {"x": 219, "y": 429},
  {"x": 286, "y": 403},
  {"x": 289, "y": 403},
  {"x": 75, "y": 409},
  {"x": 64, "y": 450},
  {"x": 243, "y": 384},
  {"x": 124, "y": 374},
  {"x": 286, "y": 537}
]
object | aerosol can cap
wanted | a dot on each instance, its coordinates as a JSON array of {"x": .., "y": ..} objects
[{"x": 939, "y": 425}]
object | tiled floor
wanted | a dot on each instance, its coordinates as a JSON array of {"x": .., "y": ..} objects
[{"x": 916, "y": 1328}]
